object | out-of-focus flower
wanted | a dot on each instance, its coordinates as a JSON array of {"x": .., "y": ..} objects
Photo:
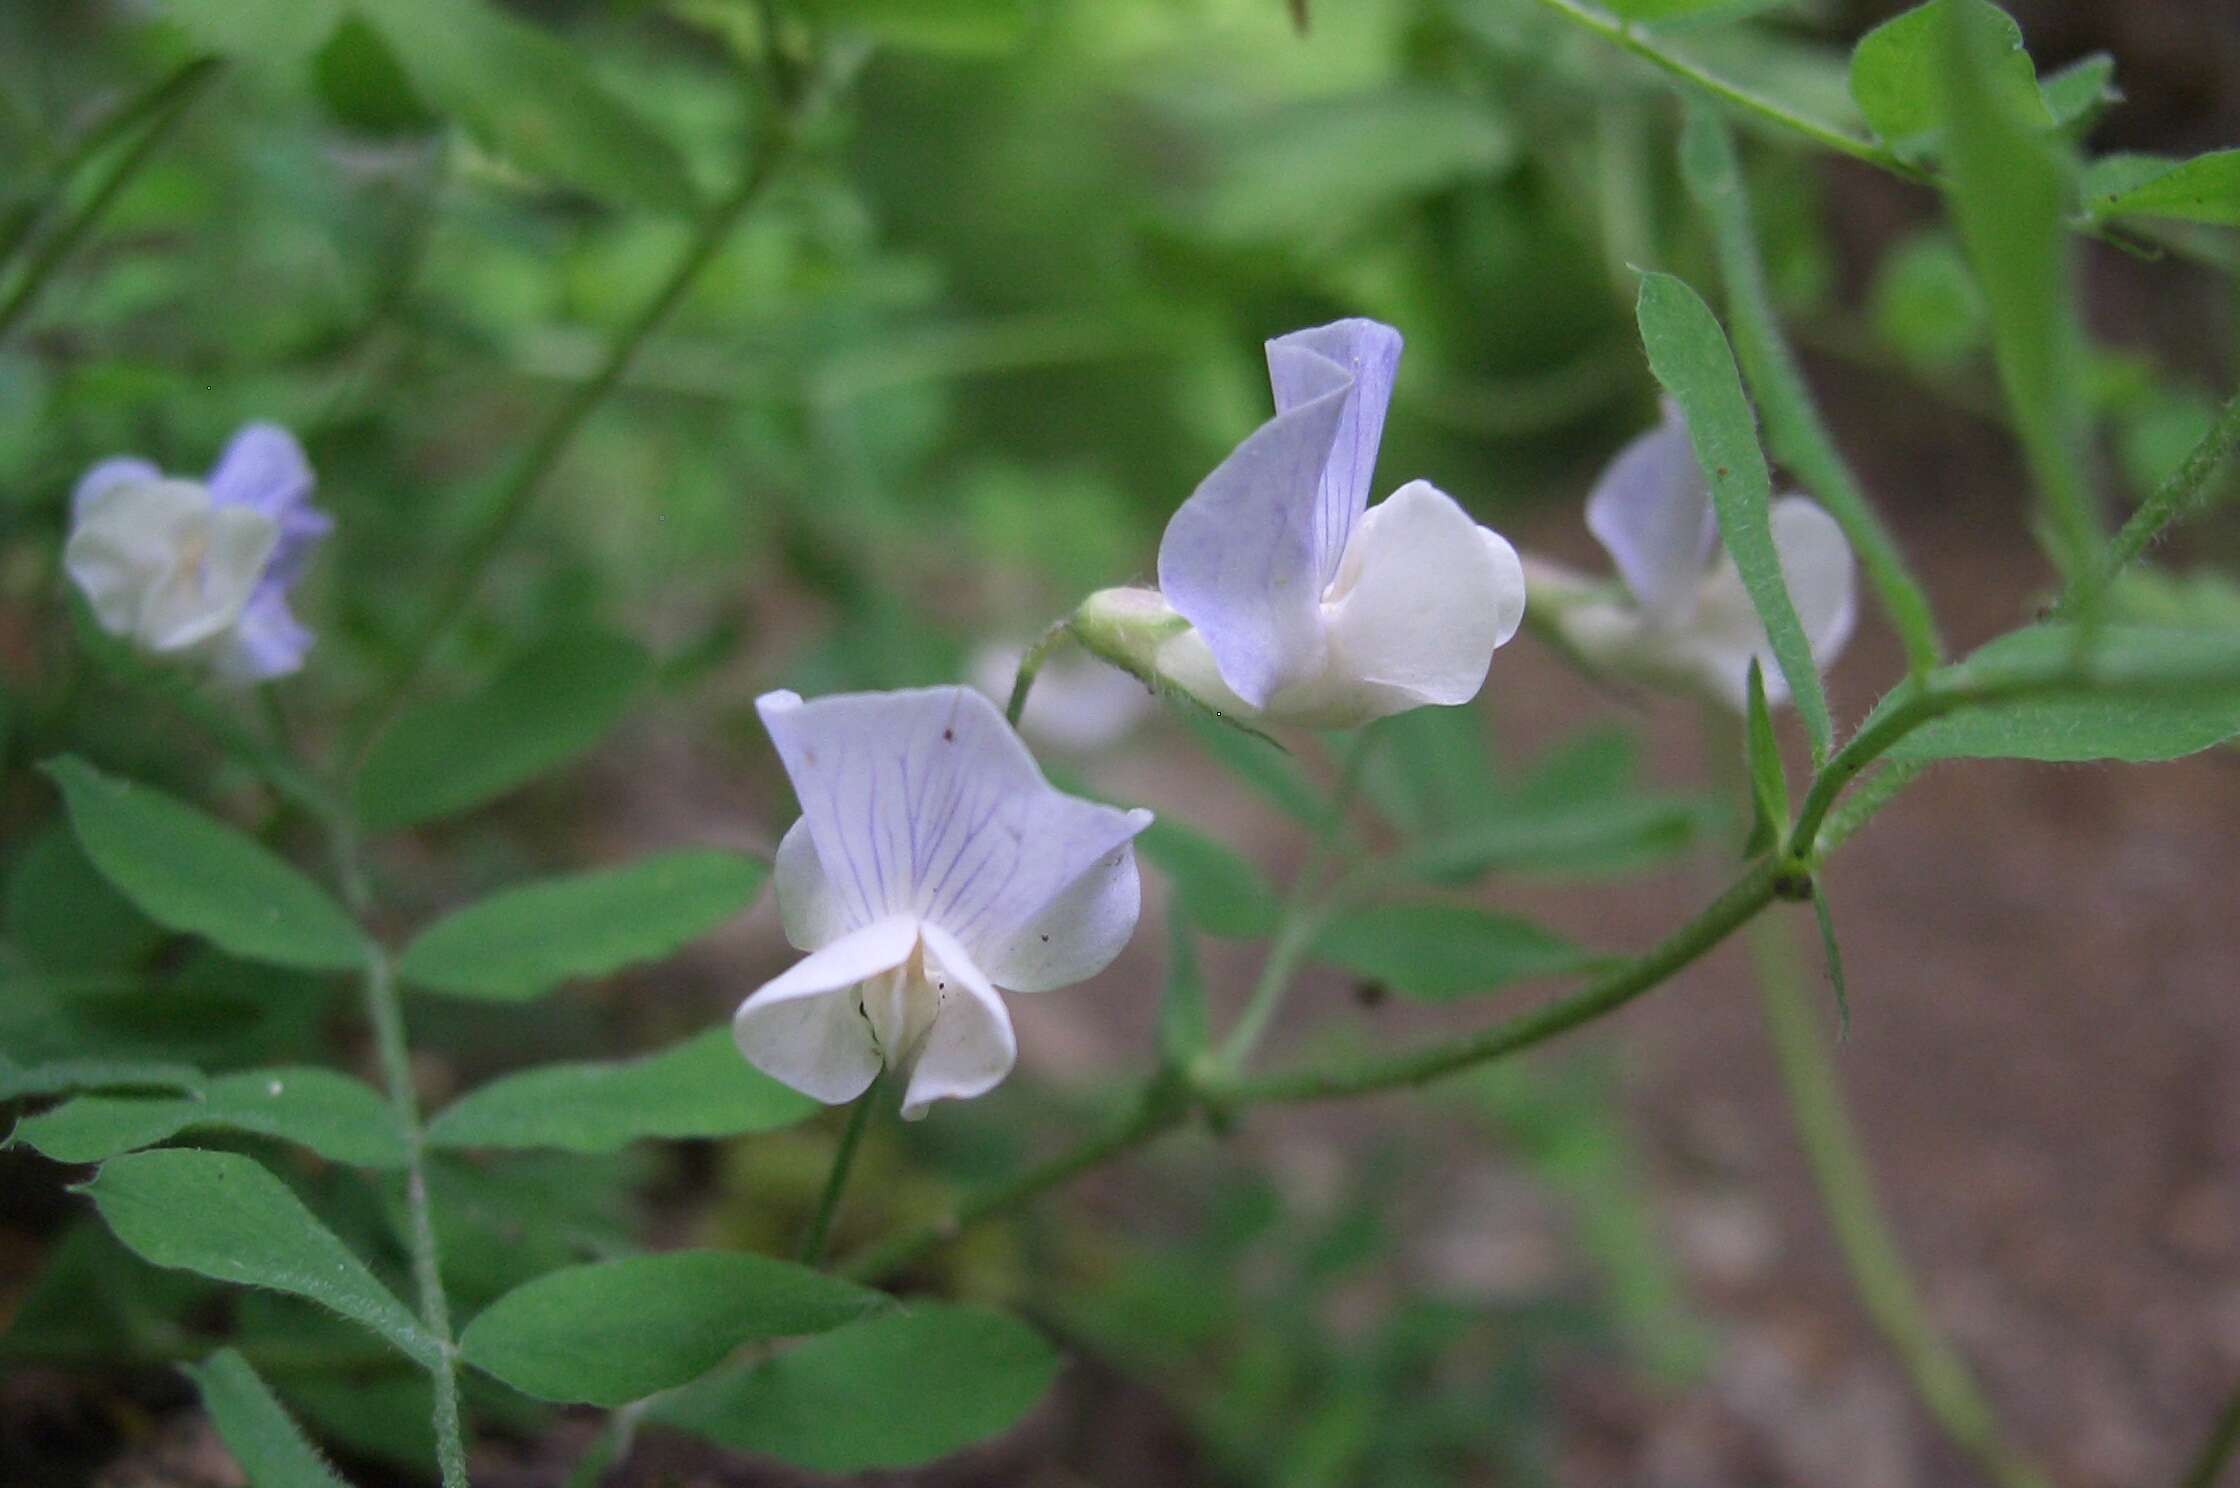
[
  {"x": 932, "y": 865},
  {"x": 201, "y": 569},
  {"x": 1683, "y": 619},
  {"x": 1078, "y": 704},
  {"x": 1283, "y": 595}
]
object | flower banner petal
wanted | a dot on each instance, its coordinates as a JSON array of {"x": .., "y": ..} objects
[{"x": 1369, "y": 351}]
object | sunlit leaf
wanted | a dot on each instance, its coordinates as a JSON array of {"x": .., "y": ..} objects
[
  {"x": 332, "y": 1114},
  {"x": 618, "y": 1331},
  {"x": 257, "y": 31},
  {"x": 699, "y": 1088},
  {"x": 550, "y": 706},
  {"x": 2080, "y": 93},
  {"x": 523, "y": 942},
  {"x": 1689, "y": 354},
  {"x": 221, "y": 1215},
  {"x": 1896, "y": 72},
  {"x": 194, "y": 874},
  {"x": 1440, "y": 952},
  {"x": 894, "y": 1390},
  {"x": 2203, "y": 189},
  {"x": 270, "y": 1449}
]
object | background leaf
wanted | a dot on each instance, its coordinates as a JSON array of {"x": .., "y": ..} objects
[
  {"x": 700, "y": 1088},
  {"x": 256, "y": 31},
  {"x": 1221, "y": 892},
  {"x": 334, "y": 1115},
  {"x": 1184, "y": 1033},
  {"x": 60, "y": 1077},
  {"x": 1689, "y": 354},
  {"x": 193, "y": 873},
  {"x": 523, "y": 942},
  {"x": 1439, "y": 952},
  {"x": 551, "y": 705},
  {"x": 619, "y": 1331},
  {"x": 528, "y": 97},
  {"x": 270, "y": 1449},
  {"x": 223, "y": 1216},
  {"x": 894, "y": 1390}
]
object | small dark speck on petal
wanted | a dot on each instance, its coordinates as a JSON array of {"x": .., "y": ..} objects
[
  {"x": 948, "y": 736},
  {"x": 1046, "y": 940}
]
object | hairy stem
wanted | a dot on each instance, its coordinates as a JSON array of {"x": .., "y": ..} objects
[
  {"x": 1939, "y": 1375},
  {"x": 386, "y": 1013},
  {"x": 521, "y": 489},
  {"x": 836, "y": 1181},
  {"x": 2185, "y": 493},
  {"x": 170, "y": 99}
]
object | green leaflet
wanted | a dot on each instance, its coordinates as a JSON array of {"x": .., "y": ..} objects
[
  {"x": 699, "y": 1088},
  {"x": 897, "y": 1389},
  {"x": 618, "y": 1331},
  {"x": 1689, "y": 354},
  {"x": 270, "y": 1449},
  {"x": 338, "y": 1117},
  {"x": 194, "y": 874},
  {"x": 523, "y": 942},
  {"x": 223, "y": 1216}
]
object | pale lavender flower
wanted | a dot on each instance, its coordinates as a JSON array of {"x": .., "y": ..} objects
[
  {"x": 202, "y": 569},
  {"x": 1685, "y": 619},
  {"x": 1300, "y": 603},
  {"x": 932, "y": 865}
]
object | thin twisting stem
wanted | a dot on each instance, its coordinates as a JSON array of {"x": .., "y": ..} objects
[
  {"x": 1940, "y": 1376},
  {"x": 836, "y": 1181},
  {"x": 1030, "y": 667},
  {"x": 386, "y": 1014},
  {"x": 522, "y": 487},
  {"x": 177, "y": 94},
  {"x": 2216, "y": 1453}
]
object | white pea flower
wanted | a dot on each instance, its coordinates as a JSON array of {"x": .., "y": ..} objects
[
  {"x": 1283, "y": 595},
  {"x": 1685, "y": 620},
  {"x": 932, "y": 865},
  {"x": 1079, "y": 704},
  {"x": 201, "y": 569}
]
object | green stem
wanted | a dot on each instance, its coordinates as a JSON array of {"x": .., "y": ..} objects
[
  {"x": 1628, "y": 37},
  {"x": 2216, "y": 1453},
  {"x": 1030, "y": 667},
  {"x": 520, "y": 491},
  {"x": 2185, "y": 493},
  {"x": 1796, "y": 436},
  {"x": 1730, "y": 911},
  {"x": 386, "y": 1013},
  {"x": 610, "y": 1447},
  {"x": 1150, "y": 1117},
  {"x": 836, "y": 1181},
  {"x": 171, "y": 99},
  {"x": 1940, "y": 1376}
]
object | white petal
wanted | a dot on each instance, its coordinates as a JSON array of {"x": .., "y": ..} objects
[
  {"x": 1652, "y": 511},
  {"x": 1816, "y": 564},
  {"x": 1434, "y": 595},
  {"x": 123, "y": 470},
  {"x": 1370, "y": 351},
  {"x": 1077, "y": 935},
  {"x": 925, "y": 803},
  {"x": 970, "y": 1047},
  {"x": 204, "y": 595},
  {"x": 806, "y": 1028},
  {"x": 810, "y": 913},
  {"x": 1239, "y": 559}
]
